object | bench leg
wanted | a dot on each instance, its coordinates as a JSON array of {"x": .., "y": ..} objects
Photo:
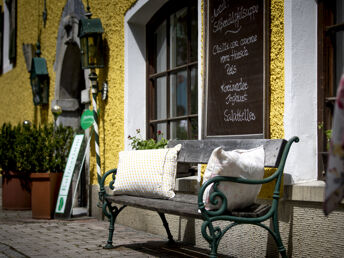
[
  {"x": 111, "y": 215},
  {"x": 278, "y": 238},
  {"x": 213, "y": 238},
  {"x": 164, "y": 222}
]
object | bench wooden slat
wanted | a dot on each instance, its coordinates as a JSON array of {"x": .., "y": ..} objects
[
  {"x": 183, "y": 205},
  {"x": 170, "y": 206},
  {"x": 199, "y": 151}
]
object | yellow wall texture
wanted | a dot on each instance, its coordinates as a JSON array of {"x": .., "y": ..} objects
[
  {"x": 16, "y": 97},
  {"x": 277, "y": 70}
]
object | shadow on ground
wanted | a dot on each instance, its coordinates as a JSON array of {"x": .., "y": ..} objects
[{"x": 163, "y": 249}]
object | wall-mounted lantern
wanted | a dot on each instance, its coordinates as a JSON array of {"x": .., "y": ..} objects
[
  {"x": 91, "y": 47},
  {"x": 39, "y": 79},
  {"x": 91, "y": 42}
]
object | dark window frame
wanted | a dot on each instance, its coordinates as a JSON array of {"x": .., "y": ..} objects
[
  {"x": 163, "y": 15},
  {"x": 327, "y": 29}
]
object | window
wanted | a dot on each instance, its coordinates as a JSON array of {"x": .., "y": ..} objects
[
  {"x": 330, "y": 63},
  {"x": 172, "y": 51},
  {"x": 9, "y": 37}
]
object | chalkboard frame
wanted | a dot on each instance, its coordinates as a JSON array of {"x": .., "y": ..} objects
[{"x": 266, "y": 76}]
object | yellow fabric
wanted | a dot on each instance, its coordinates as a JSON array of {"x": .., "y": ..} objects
[
  {"x": 149, "y": 173},
  {"x": 267, "y": 190}
]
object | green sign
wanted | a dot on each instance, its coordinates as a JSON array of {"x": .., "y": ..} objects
[{"x": 87, "y": 119}]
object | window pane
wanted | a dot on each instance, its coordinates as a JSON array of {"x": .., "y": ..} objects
[
  {"x": 194, "y": 129},
  {"x": 339, "y": 58},
  {"x": 194, "y": 34},
  {"x": 178, "y": 38},
  {"x": 160, "y": 51},
  {"x": 178, "y": 94},
  {"x": 339, "y": 11},
  {"x": 163, "y": 129},
  {"x": 194, "y": 91},
  {"x": 339, "y": 53},
  {"x": 179, "y": 130},
  {"x": 160, "y": 97}
]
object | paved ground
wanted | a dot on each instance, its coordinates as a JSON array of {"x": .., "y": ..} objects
[{"x": 22, "y": 236}]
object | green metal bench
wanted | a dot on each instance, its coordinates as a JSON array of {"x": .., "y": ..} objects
[{"x": 188, "y": 205}]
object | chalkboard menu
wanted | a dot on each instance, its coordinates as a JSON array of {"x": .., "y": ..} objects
[{"x": 235, "y": 68}]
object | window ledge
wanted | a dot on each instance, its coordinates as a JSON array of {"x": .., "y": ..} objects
[{"x": 309, "y": 192}]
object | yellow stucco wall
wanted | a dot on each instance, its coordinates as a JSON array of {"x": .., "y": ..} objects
[
  {"x": 16, "y": 96},
  {"x": 277, "y": 70}
]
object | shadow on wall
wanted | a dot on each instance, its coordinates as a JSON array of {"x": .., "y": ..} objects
[{"x": 285, "y": 216}]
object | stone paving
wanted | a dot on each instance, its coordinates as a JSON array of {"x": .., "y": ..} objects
[{"x": 22, "y": 236}]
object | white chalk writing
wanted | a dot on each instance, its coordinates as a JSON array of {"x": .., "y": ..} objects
[
  {"x": 236, "y": 98},
  {"x": 218, "y": 10},
  {"x": 234, "y": 18},
  {"x": 238, "y": 86},
  {"x": 230, "y": 69},
  {"x": 239, "y": 115}
]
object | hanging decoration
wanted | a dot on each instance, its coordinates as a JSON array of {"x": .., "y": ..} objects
[{"x": 39, "y": 78}]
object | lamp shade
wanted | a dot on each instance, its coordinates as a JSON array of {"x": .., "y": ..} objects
[
  {"x": 39, "y": 79},
  {"x": 91, "y": 43}
]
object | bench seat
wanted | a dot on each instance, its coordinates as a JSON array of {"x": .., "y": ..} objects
[{"x": 183, "y": 205}]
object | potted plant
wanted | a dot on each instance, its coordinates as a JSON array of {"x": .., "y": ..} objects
[
  {"x": 50, "y": 157},
  {"x": 32, "y": 159},
  {"x": 16, "y": 184}
]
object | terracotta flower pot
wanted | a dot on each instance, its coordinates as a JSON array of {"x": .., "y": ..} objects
[
  {"x": 45, "y": 189},
  {"x": 16, "y": 191}
]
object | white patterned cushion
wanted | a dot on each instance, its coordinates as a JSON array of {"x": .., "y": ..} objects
[
  {"x": 248, "y": 164},
  {"x": 147, "y": 173}
]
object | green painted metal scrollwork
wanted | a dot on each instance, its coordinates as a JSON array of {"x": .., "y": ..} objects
[
  {"x": 214, "y": 234},
  {"x": 109, "y": 210}
]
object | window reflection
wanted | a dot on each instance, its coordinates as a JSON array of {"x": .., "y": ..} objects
[
  {"x": 194, "y": 91},
  {"x": 179, "y": 94},
  {"x": 178, "y": 42},
  {"x": 179, "y": 130},
  {"x": 160, "y": 50},
  {"x": 161, "y": 109}
]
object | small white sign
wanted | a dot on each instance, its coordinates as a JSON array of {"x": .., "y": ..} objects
[{"x": 68, "y": 173}]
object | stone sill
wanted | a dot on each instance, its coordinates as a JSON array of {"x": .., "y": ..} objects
[{"x": 305, "y": 192}]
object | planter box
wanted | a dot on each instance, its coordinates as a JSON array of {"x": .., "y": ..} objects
[
  {"x": 16, "y": 191},
  {"x": 45, "y": 189}
]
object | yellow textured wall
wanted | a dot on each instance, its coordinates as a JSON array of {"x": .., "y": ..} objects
[
  {"x": 277, "y": 70},
  {"x": 16, "y": 97},
  {"x": 111, "y": 126}
]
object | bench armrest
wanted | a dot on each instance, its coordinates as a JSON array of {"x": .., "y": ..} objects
[
  {"x": 102, "y": 191},
  {"x": 217, "y": 195}
]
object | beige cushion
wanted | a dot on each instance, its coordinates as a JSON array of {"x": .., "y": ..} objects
[
  {"x": 247, "y": 164},
  {"x": 148, "y": 173}
]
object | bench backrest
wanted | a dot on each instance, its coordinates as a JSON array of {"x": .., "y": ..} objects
[{"x": 199, "y": 151}]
